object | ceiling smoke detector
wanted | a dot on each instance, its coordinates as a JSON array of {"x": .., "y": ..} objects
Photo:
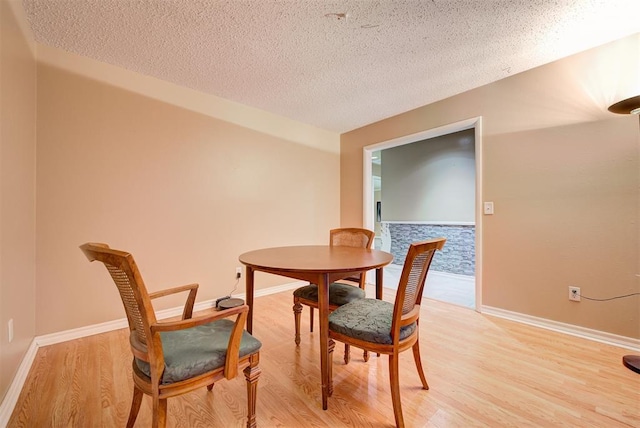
[{"x": 339, "y": 16}]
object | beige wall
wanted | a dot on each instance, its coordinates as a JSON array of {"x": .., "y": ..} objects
[
  {"x": 17, "y": 194},
  {"x": 184, "y": 192},
  {"x": 564, "y": 175},
  {"x": 566, "y": 219}
]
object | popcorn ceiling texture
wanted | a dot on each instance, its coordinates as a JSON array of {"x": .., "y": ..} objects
[{"x": 337, "y": 65}]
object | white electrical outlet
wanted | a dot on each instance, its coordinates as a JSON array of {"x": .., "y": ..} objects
[
  {"x": 574, "y": 294},
  {"x": 238, "y": 272},
  {"x": 10, "y": 328}
]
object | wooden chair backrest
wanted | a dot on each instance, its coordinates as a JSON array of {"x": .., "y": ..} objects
[
  {"x": 352, "y": 237},
  {"x": 411, "y": 285},
  {"x": 135, "y": 298}
]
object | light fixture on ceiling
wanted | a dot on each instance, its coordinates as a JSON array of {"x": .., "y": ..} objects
[{"x": 629, "y": 106}]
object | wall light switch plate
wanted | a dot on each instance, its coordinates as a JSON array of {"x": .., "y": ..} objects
[{"x": 488, "y": 208}]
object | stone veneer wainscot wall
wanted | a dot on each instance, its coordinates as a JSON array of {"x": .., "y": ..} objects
[{"x": 458, "y": 255}]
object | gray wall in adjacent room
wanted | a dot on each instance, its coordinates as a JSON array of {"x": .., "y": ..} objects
[{"x": 430, "y": 180}]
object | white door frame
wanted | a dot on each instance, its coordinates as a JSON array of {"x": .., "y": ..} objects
[{"x": 367, "y": 188}]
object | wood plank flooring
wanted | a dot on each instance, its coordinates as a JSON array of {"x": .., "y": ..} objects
[{"x": 482, "y": 371}]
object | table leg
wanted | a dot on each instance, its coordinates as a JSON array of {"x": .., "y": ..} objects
[
  {"x": 379, "y": 276},
  {"x": 330, "y": 347},
  {"x": 323, "y": 309},
  {"x": 249, "y": 296}
]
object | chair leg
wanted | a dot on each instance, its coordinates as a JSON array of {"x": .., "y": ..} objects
[
  {"x": 311, "y": 320},
  {"x": 135, "y": 406},
  {"x": 159, "y": 413},
  {"x": 251, "y": 374},
  {"x": 365, "y": 355},
  {"x": 330, "y": 347},
  {"x": 210, "y": 387},
  {"x": 347, "y": 354},
  {"x": 395, "y": 390},
  {"x": 297, "y": 309},
  {"x": 416, "y": 357}
]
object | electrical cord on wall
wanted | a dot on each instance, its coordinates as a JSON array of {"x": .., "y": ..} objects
[
  {"x": 228, "y": 296},
  {"x": 235, "y": 286},
  {"x": 610, "y": 298}
]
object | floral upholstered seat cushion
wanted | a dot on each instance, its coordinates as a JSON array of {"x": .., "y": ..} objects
[
  {"x": 197, "y": 350},
  {"x": 368, "y": 320},
  {"x": 339, "y": 294}
]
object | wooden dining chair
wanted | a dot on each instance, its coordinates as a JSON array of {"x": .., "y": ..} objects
[
  {"x": 341, "y": 292},
  {"x": 175, "y": 357},
  {"x": 389, "y": 328}
]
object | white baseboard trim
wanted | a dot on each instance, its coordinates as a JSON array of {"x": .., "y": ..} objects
[
  {"x": 77, "y": 333},
  {"x": 11, "y": 398},
  {"x": 275, "y": 290},
  {"x": 570, "y": 329}
]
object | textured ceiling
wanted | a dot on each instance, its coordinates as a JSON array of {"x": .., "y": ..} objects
[{"x": 337, "y": 65}]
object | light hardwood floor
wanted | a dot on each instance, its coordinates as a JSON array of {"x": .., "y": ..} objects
[{"x": 482, "y": 371}]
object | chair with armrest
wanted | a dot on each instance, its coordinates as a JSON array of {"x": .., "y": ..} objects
[
  {"x": 340, "y": 293},
  {"x": 175, "y": 357},
  {"x": 389, "y": 328}
]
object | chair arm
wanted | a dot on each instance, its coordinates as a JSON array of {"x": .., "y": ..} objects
[
  {"x": 233, "y": 348},
  {"x": 193, "y": 322},
  {"x": 191, "y": 298}
]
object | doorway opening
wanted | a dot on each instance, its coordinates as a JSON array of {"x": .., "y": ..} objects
[{"x": 452, "y": 210}]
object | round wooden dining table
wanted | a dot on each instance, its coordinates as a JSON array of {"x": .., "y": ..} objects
[{"x": 321, "y": 265}]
